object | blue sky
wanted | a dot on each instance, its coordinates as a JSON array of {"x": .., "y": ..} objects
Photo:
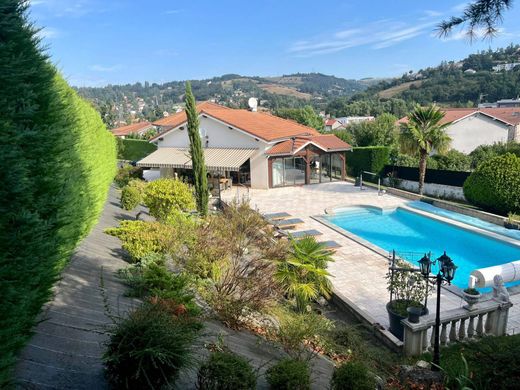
[{"x": 97, "y": 42}]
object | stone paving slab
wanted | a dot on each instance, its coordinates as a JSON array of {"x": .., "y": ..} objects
[{"x": 358, "y": 273}]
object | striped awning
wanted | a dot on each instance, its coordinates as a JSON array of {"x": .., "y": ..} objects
[{"x": 216, "y": 159}]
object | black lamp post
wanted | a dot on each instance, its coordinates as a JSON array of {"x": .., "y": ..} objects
[{"x": 446, "y": 274}]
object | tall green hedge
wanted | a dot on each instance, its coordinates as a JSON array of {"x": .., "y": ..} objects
[
  {"x": 57, "y": 162},
  {"x": 368, "y": 158},
  {"x": 136, "y": 149},
  {"x": 495, "y": 184}
]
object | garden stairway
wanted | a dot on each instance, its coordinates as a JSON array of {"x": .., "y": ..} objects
[{"x": 66, "y": 349}]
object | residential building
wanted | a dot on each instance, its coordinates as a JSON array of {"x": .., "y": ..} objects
[
  {"x": 501, "y": 103},
  {"x": 139, "y": 128},
  {"x": 250, "y": 148},
  {"x": 472, "y": 127},
  {"x": 348, "y": 120},
  {"x": 332, "y": 124},
  {"x": 506, "y": 67}
]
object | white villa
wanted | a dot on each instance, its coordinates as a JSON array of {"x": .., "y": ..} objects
[
  {"x": 249, "y": 147},
  {"x": 472, "y": 127}
]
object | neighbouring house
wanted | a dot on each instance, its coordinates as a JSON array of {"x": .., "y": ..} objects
[
  {"x": 349, "y": 120},
  {"x": 249, "y": 147},
  {"x": 472, "y": 127},
  {"x": 332, "y": 124},
  {"x": 139, "y": 128},
  {"x": 506, "y": 67}
]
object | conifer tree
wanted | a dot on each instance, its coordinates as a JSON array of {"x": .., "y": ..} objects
[{"x": 197, "y": 154}]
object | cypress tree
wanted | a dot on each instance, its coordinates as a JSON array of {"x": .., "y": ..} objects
[
  {"x": 197, "y": 154},
  {"x": 57, "y": 162}
]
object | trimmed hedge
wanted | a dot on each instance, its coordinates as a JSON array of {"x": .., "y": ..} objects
[
  {"x": 58, "y": 161},
  {"x": 369, "y": 158},
  {"x": 226, "y": 371},
  {"x": 289, "y": 374},
  {"x": 136, "y": 149},
  {"x": 495, "y": 184},
  {"x": 352, "y": 376}
]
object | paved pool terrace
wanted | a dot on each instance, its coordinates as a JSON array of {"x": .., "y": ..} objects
[{"x": 358, "y": 271}]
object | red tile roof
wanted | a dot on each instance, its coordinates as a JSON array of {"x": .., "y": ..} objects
[
  {"x": 509, "y": 115},
  {"x": 326, "y": 142},
  {"x": 330, "y": 122},
  {"x": 259, "y": 124},
  {"x": 134, "y": 128}
]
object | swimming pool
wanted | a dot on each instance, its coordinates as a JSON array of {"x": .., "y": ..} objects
[{"x": 406, "y": 231}]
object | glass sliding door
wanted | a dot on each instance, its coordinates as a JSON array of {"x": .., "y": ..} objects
[
  {"x": 336, "y": 166},
  {"x": 325, "y": 168},
  {"x": 289, "y": 171},
  {"x": 299, "y": 170},
  {"x": 277, "y": 172}
]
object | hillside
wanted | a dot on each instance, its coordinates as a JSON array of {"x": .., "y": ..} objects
[{"x": 150, "y": 100}]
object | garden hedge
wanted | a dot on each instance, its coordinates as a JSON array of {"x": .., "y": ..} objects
[
  {"x": 495, "y": 184},
  {"x": 136, "y": 149},
  {"x": 369, "y": 158},
  {"x": 58, "y": 160}
]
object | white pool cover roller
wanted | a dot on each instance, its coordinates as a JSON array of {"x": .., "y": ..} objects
[{"x": 483, "y": 277}]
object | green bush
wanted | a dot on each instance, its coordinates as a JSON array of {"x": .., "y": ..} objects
[
  {"x": 289, "y": 374},
  {"x": 352, "y": 376},
  {"x": 453, "y": 160},
  {"x": 370, "y": 158},
  {"x": 149, "y": 348},
  {"x": 495, "y": 185},
  {"x": 130, "y": 198},
  {"x": 127, "y": 173},
  {"x": 167, "y": 197},
  {"x": 226, "y": 371},
  {"x": 58, "y": 161},
  {"x": 136, "y": 149}
]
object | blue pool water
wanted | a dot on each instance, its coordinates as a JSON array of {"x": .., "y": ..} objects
[
  {"x": 406, "y": 231},
  {"x": 466, "y": 219}
]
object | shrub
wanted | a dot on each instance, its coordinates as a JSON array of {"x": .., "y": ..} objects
[
  {"x": 453, "y": 160},
  {"x": 136, "y": 149},
  {"x": 495, "y": 184},
  {"x": 149, "y": 348},
  {"x": 226, "y": 371},
  {"x": 58, "y": 161},
  {"x": 408, "y": 288},
  {"x": 127, "y": 173},
  {"x": 165, "y": 197},
  {"x": 352, "y": 376},
  {"x": 141, "y": 238},
  {"x": 130, "y": 197},
  {"x": 289, "y": 374},
  {"x": 492, "y": 363},
  {"x": 370, "y": 158}
]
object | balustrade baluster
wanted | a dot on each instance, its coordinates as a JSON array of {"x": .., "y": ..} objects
[
  {"x": 480, "y": 325},
  {"x": 443, "y": 338},
  {"x": 462, "y": 329},
  {"x": 471, "y": 327},
  {"x": 453, "y": 331},
  {"x": 432, "y": 339}
]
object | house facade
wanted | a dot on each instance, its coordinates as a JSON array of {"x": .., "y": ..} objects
[
  {"x": 471, "y": 127},
  {"x": 250, "y": 148}
]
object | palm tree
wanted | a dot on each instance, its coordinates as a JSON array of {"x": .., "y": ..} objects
[
  {"x": 423, "y": 134},
  {"x": 303, "y": 274}
]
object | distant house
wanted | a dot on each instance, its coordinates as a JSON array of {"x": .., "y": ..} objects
[
  {"x": 506, "y": 67},
  {"x": 349, "y": 120},
  {"x": 139, "y": 128},
  {"x": 470, "y": 71},
  {"x": 332, "y": 124},
  {"x": 249, "y": 147},
  {"x": 472, "y": 127}
]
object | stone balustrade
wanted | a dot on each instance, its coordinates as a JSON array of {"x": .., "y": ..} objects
[{"x": 487, "y": 318}]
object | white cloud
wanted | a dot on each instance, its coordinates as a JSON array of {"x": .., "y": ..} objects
[
  {"x": 103, "y": 68},
  {"x": 48, "y": 33},
  {"x": 377, "y": 35},
  {"x": 172, "y": 11},
  {"x": 65, "y": 8}
]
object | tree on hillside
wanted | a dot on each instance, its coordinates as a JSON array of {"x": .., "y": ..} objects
[
  {"x": 305, "y": 116},
  {"x": 380, "y": 132},
  {"x": 57, "y": 163},
  {"x": 479, "y": 15},
  {"x": 423, "y": 134},
  {"x": 196, "y": 152}
]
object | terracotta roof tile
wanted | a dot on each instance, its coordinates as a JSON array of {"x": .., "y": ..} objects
[
  {"x": 326, "y": 142},
  {"x": 259, "y": 124},
  {"x": 131, "y": 129},
  {"x": 507, "y": 115}
]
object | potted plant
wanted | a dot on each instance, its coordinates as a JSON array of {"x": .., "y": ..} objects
[
  {"x": 471, "y": 296},
  {"x": 408, "y": 290}
]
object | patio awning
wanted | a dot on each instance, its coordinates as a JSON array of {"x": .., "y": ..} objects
[{"x": 216, "y": 159}]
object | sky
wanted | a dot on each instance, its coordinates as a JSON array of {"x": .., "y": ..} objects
[{"x": 100, "y": 42}]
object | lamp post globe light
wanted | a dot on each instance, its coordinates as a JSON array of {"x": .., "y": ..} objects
[{"x": 445, "y": 273}]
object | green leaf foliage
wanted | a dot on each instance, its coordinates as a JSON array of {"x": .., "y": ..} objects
[
  {"x": 130, "y": 197},
  {"x": 495, "y": 185},
  {"x": 226, "y": 371},
  {"x": 289, "y": 374},
  {"x": 57, "y": 163},
  {"x": 148, "y": 349},
  {"x": 135, "y": 149},
  {"x": 305, "y": 116},
  {"x": 166, "y": 197},
  {"x": 370, "y": 158},
  {"x": 126, "y": 173},
  {"x": 352, "y": 376},
  {"x": 197, "y": 154}
]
